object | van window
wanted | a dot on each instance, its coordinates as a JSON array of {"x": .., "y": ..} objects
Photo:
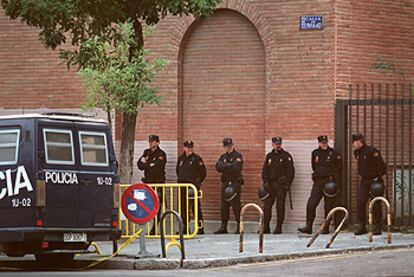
[
  {"x": 94, "y": 149},
  {"x": 9, "y": 146},
  {"x": 58, "y": 146}
]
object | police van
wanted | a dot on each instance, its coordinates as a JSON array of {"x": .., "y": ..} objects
[{"x": 59, "y": 188}]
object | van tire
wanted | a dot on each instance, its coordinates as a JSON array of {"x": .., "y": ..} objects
[{"x": 55, "y": 259}]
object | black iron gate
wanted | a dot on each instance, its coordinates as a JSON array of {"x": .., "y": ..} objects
[{"x": 383, "y": 114}]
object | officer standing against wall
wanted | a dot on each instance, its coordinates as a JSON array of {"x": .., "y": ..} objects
[
  {"x": 230, "y": 165},
  {"x": 153, "y": 162},
  {"x": 277, "y": 173},
  {"x": 326, "y": 166},
  {"x": 190, "y": 169},
  {"x": 371, "y": 167}
]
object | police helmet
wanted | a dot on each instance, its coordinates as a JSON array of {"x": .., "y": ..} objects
[
  {"x": 190, "y": 193},
  {"x": 330, "y": 189},
  {"x": 376, "y": 189},
  {"x": 262, "y": 193},
  {"x": 229, "y": 193}
]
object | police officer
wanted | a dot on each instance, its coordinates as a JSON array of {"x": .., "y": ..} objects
[
  {"x": 371, "y": 167},
  {"x": 326, "y": 166},
  {"x": 230, "y": 165},
  {"x": 153, "y": 162},
  {"x": 190, "y": 169},
  {"x": 277, "y": 173}
]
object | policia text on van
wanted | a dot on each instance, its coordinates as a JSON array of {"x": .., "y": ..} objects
[{"x": 59, "y": 187}]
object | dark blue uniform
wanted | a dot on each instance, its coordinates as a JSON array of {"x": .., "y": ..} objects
[
  {"x": 190, "y": 169},
  {"x": 154, "y": 172},
  {"x": 230, "y": 166},
  {"x": 371, "y": 167},
  {"x": 277, "y": 173}
]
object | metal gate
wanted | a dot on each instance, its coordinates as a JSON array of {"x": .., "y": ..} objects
[{"x": 383, "y": 114}]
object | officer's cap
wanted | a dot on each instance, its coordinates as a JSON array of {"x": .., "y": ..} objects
[
  {"x": 323, "y": 139},
  {"x": 357, "y": 136},
  {"x": 277, "y": 140},
  {"x": 227, "y": 142},
  {"x": 153, "y": 138},
  {"x": 188, "y": 144}
]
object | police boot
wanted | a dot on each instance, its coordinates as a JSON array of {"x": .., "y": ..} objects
[
  {"x": 222, "y": 229},
  {"x": 237, "y": 229},
  {"x": 306, "y": 229},
  {"x": 266, "y": 230},
  {"x": 377, "y": 230},
  {"x": 361, "y": 230},
  {"x": 278, "y": 230}
]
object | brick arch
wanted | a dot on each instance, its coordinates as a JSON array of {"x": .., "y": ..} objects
[{"x": 248, "y": 10}]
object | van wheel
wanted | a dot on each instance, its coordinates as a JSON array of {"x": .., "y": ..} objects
[{"x": 55, "y": 259}]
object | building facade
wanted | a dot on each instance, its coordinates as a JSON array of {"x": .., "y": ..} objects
[{"x": 248, "y": 72}]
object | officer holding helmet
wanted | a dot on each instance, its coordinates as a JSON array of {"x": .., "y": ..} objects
[
  {"x": 190, "y": 169},
  {"x": 230, "y": 165},
  {"x": 371, "y": 167},
  {"x": 326, "y": 166},
  {"x": 153, "y": 162},
  {"x": 277, "y": 173}
]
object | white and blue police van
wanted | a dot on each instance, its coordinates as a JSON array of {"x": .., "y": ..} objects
[{"x": 59, "y": 188}]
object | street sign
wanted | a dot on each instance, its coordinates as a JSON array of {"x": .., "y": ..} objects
[
  {"x": 139, "y": 203},
  {"x": 311, "y": 23}
]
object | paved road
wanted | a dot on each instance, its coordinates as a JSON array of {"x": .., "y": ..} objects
[{"x": 379, "y": 263}]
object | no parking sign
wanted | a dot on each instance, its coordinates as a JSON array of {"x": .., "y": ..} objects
[{"x": 139, "y": 203}]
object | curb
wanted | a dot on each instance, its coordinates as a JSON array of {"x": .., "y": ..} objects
[{"x": 168, "y": 264}]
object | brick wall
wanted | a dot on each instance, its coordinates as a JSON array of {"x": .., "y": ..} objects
[{"x": 301, "y": 73}]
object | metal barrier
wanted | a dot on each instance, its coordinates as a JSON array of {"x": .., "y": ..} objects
[
  {"x": 243, "y": 210},
  {"x": 370, "y": 218},
  {"x": 173, "y": 242},
  {"x": 327, "y": 221},
  {"x": 171, "y": 194}
]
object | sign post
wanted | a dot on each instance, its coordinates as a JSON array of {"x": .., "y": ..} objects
[{"x": 140, "y": 205}]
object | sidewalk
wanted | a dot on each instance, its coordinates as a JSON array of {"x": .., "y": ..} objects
[{"x": 223, "y": 250}]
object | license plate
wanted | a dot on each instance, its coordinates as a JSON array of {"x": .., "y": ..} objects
[{"x": 74, "y": 237}]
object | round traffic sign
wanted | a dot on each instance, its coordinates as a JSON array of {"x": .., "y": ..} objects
[{"x": 139, "y": 203}]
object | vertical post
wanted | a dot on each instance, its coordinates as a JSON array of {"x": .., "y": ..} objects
[
  {"x": 387, "y": 133},
  {"x": 380, "y": 116},
  {"x": 341, "y": 134},
  {"x": 365, "y": 110},
  {"x": 402, "y": 154},
  {"x": 410, "y": 151},
  {"x": 372, "y": 114},
  {"x": 395, "y": 150},
  {"x": 349, "y": 161}
]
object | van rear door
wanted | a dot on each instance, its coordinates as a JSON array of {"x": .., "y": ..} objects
[
  {"x": 97, "y": 175},
  {"x": 57, "y": 154}
]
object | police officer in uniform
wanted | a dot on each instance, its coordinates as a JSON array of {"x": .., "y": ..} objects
[
  {"x": 230, "y": 165},
  {"x": 190, "y": 169},
  {"x": 153, "y": 162},
  {"x": 326, "y": 166},
  {"x": 371, "y": 167},
  {"x": 277, "y": 173}
]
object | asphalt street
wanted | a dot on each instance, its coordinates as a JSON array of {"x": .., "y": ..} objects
[{"x": 378, "y": 263}]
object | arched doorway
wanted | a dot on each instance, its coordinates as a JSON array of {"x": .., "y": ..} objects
[{"x": 222, "y": 93}]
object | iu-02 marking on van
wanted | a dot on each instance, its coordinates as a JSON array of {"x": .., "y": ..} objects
[{"x": 59, "y": 188}]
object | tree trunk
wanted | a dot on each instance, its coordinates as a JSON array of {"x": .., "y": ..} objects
[{"x": 126, "y": 160}]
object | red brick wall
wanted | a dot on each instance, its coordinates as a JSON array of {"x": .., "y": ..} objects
[
  {"x": 30, "y": 75},
  {"x": 304, "y": 72},
  {"x": 223, "y": 94}
]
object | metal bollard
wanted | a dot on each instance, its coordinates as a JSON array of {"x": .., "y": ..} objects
[
  {"x": 173, "y": 242},
  {"x": 327, "y": 220},
  {"x": 370, "y": 218},
  {"x": 243, "y": 210}
]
